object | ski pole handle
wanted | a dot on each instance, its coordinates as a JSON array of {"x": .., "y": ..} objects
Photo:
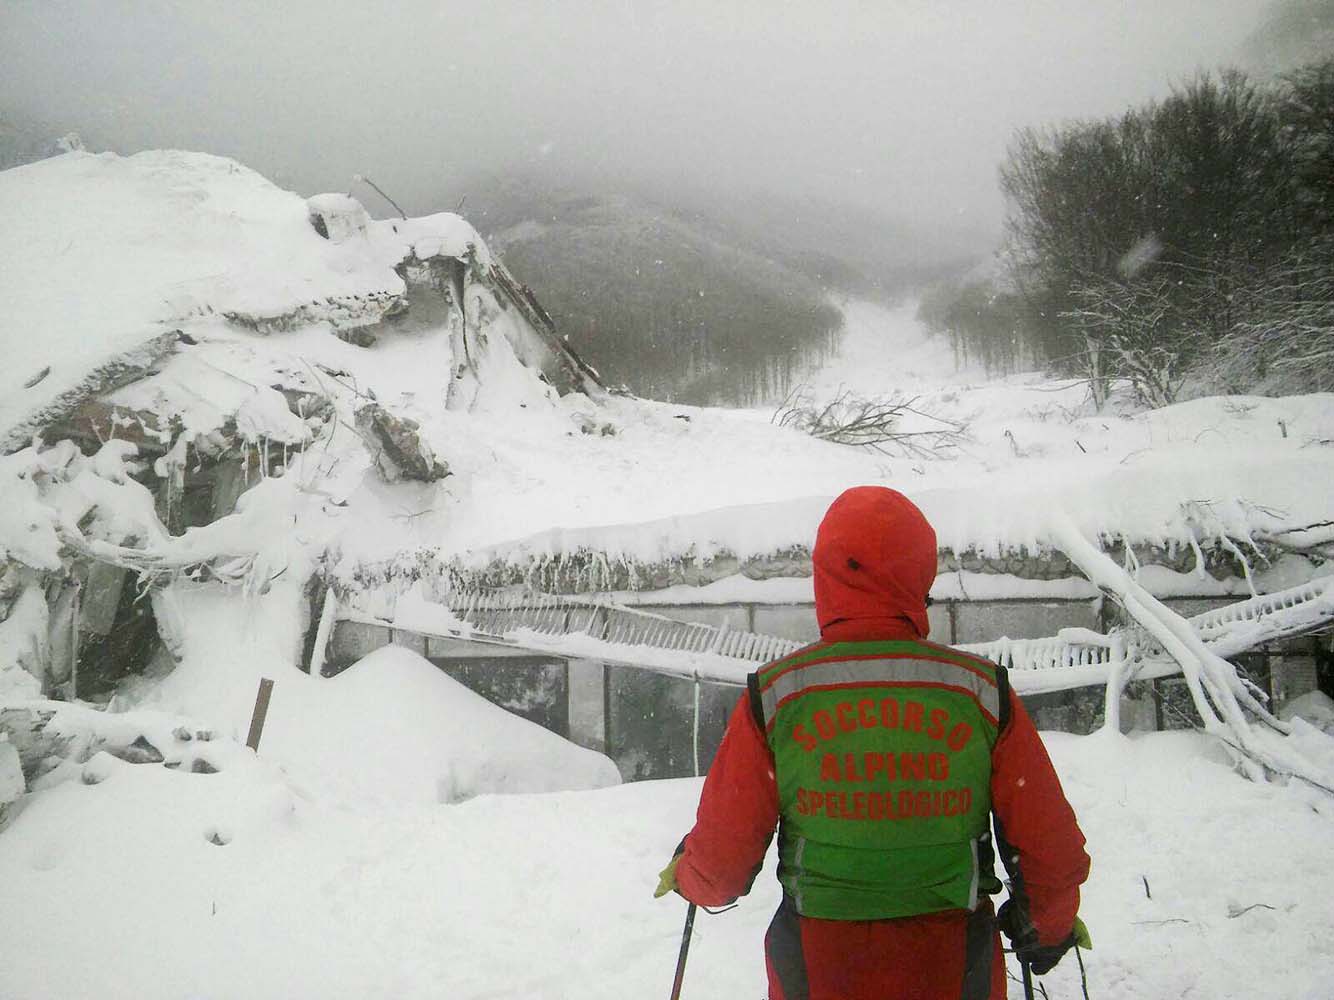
[{"x": 685, "y": 950}]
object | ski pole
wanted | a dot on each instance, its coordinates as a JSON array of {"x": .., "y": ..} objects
[
  {"x": 685, "y": 949},
  {"x": 1028, "y": 980}
]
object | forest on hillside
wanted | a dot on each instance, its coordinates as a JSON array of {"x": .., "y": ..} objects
[
  {"x": 660, "y": 308},
  {"x": 698, "y": 298},
  {"x": 663, "y": 309},
  {"x": 1184, "y": 245}
]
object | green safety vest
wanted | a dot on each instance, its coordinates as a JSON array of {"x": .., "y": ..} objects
[{"x": 882, "y": 754}]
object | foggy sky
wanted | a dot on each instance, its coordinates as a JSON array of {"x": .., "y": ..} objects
[{"x": 904, "y": 105}]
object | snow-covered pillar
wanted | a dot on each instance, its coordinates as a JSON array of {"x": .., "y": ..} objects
[
  {"x": 1111, "y": 709},
  {"x": 1118, "y": 675},
  {"x": 170, "y": 619},
  {"x": 25, "y": 645},
  {"x": 320, "y": 649},
  {"x": 587, "y": 681},
  {"x": 12, "y": 785}
]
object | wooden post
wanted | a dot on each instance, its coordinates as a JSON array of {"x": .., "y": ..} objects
[{"x": 261, "y": 710}]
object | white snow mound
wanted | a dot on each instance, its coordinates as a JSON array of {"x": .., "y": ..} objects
[
  {"x": 103, "y": 253},
  {"x": 395, "y": 727}
]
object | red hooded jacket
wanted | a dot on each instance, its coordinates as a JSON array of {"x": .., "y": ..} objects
[{"x": 874, "y": 563}]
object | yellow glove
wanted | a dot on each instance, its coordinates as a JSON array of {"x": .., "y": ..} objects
[
  {"x": 1081, "y": 935},
  {"x": 667, "y": 879}
]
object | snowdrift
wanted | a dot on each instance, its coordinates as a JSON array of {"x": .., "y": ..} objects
[
  {"x": 1219, "y": 892},
  {"x": 391, "y": 730},
  {"x": 394, "y": 729},
  {"x": 1179, "y": 479}
]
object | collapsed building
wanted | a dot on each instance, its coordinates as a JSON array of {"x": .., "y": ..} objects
[{"x": 144, "y": 440}]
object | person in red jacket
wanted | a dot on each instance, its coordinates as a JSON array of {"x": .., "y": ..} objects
[{"x": 882, "y": 761}]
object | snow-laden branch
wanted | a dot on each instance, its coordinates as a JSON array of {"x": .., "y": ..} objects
[
  {"x": 60, "y": 504},
  {"x": 868, "y": 422},
  {"x": 1220, "y": 695}
]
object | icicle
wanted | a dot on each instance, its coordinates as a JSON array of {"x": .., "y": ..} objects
[
  {"x": 696, "y": 726},
  {"x": 1199, "y": 557},
  {"x": 1241, "y": 558},
  {"x": 1131, "y": 564}
]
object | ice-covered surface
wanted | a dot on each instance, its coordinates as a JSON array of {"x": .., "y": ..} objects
[{"x": 1221, "y": 893}]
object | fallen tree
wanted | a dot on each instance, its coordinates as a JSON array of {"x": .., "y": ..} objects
[
  {"x": 875, "y": 422},
  {"x": 1227, "y": 704}
]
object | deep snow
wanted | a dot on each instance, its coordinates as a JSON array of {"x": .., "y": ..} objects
[
  {"x": 391, "y": 730},
  {"x": 115, "y": 890}
]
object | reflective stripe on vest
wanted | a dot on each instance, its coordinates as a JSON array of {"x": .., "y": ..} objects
[{"x": 863, "y": 662}]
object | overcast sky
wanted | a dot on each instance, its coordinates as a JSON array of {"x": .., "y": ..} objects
[{"x": 906, "y": 105}]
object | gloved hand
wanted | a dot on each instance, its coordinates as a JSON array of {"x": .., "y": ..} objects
[
  {"x": 1041, "y": 959},
  {"x": 667, "y": 878}
]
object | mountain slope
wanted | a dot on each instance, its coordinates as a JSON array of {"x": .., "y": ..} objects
[{"x": 657, "y": 302}]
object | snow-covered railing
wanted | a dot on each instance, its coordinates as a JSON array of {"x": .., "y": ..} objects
[
  {"x": 1237, "y": 627},
  {"x": 552, "y": 615},
  {"x": 579, "y": 627},
  {"x": 575, "y": 628},
  {"x": 1079, "y": 657},
  {"x": 1072, "y": 658},
  {"x": 572, "y": 627}
]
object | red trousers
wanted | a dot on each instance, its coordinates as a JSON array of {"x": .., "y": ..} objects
[{"x": 939, "y": 956}]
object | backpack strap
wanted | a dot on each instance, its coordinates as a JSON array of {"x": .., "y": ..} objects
[
  {"x": 756, "y": 702},
  {"x": 1003, "y": 691}
]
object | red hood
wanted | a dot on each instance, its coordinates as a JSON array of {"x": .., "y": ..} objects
[{"x": 875, "y": 558}]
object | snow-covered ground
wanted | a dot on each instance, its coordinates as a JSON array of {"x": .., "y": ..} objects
[
  {"x": 115, "y": 885},
  {"x": 1032, "y": 447}
]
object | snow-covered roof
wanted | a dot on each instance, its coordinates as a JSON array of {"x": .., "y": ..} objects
[
  {"x": 1198, "y": 472},
  {"x": 103, "y": 254}
]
